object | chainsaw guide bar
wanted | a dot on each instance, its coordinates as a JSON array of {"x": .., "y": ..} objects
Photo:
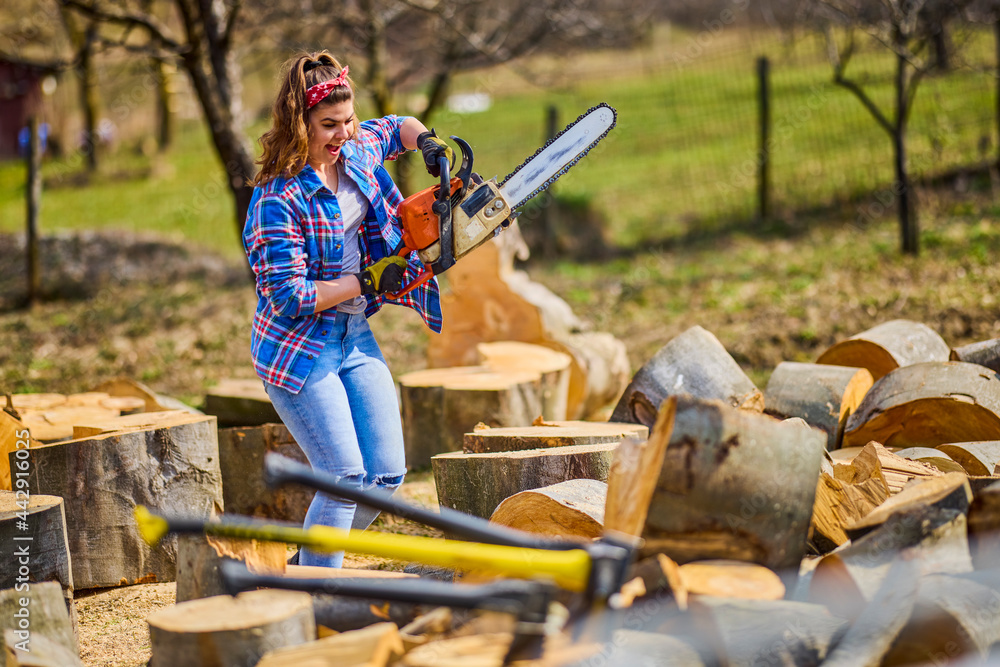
[{"x": 558, "y": 155}]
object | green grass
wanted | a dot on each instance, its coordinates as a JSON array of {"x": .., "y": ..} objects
[{"x": 682, "y": 157}]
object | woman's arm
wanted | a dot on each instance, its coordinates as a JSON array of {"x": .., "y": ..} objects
[
  {"x": 409, "y": 131},
  {"x": 330, "y": 293}
]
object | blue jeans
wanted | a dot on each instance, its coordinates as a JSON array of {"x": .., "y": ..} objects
[{"x": 346, "y": 420}]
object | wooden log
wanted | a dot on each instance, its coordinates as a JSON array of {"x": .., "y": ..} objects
[
  {"x": 37, "y": 608},
  {"x": 693, "y": 363},
  {"x": 824, "y": 396},
  {"x": 932, "y": 457},
  {"x": 85, "y": 428},
  {"x": 925, "y": 405},
  {"x": 839, "y": 504},
  {"x": 374, "y": 646},
  {"x": 34, "y": 530},
  {"x": 888, "y": 346},
  {"x": 477, "y": 483},
  {"x": 553, "y": 366},
  {"x": 634, "y": 473},
  {"x": 199, "y": 556},
  {"x": 14, "y": 435},
  {"x": 230, "y": 631},
  {"x": 756, "y": 632},
  {"x": 950, "y": 491},
  {"x": 718, "y": 495},
  {"x": 124, "y": 387},
  {"x": 977, "y": 458},
  {"x": 39, "y": 401},
  {"x": 488, "y": 300},
  {"x": 731, "y": 579},
  {"x": 572, "y": 509},
  {"x": 985, "y": 353},
  {"x": 544, "y": 434},
  {"x": 479, "y": 650},
  {"x": 241, "y": 462},
  {"x": 56, "y": 424},
  {"x": 43, "y": 652},
  {"x": 984, "y": 527},
  {"x": 86, "y": 398},
  {"x": 239, "y": 402},
  {"x": 172, "y": 468},
  {"x": 440, "y": 405},
  {"x": 897, "y": 471}
]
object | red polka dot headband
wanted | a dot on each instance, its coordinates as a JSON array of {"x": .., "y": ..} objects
[{"x": 315, "y": 94}]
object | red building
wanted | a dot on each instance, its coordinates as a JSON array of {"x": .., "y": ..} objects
[{"x": 20, "y": 96}]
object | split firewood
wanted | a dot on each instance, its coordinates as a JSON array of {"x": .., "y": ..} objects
[
  {"x": 199, "y": 557},
  {"x": 239, "y": 402},
  {"x": 888, "y": 346},
  {"x": 977, "y": 458},
  {"x": 123, "y": 387},
  {"x": 935, "y": 539},
  {"x": 693, "y": 363},
  {"x": 14, "y": 435},
  {"x": 634, "y": 472},
  {"x": 543, "y": 434},
  {"x": 440, "y": 405},
  {"x": 928, "y": 404},
  {"x": 954, "y": 616},
  {"x": 716, "y": 496},
  {"x": 374, "y": 646},
  {"x": 871, "y": 636},
  {"x": 824, "y": 396},
  {"x": 227, "y": 630},
  {"x": 85, "y": 428},
  {"x": 573, "y": 509},
  {"x": 731, "y": 579},
  {"x": 950, "y": 491},
  {"x": 932, "y": 457},
  {"x": 488, "y": 300},
  {"x": 477, "y": 483},
  {"x": 553, "y": 366},
  {"x": 44, "y": 606},
  {"x": 35, "y": 526},
  {"x": 241, "y": 462},
  {"x": 984, "y": 527},
  {"x": 896, "y": 470},
  {"x": 426, "y": 627},
  {"x": 39, "y": 401},
  {"x": 173, "y": 467},
  {"x": 40, "y": 651},
  {"x": 841, "y": 503},
  {"x": 56, "y": 424},
  {"x": 985, "y": 353},
  {"x": 767, "y": 632},
  {"x": 87, "y": 398},
  {"x": 480, "y": 650}
]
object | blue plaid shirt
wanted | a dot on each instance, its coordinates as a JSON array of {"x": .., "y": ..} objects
[{"x": 294, "y": 236}]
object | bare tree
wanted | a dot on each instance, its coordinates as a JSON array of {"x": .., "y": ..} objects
[{"x": 904, "y": 27}]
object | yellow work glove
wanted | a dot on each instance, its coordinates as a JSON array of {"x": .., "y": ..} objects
[
  {"x": 385, "y": 275},
  {"x": 434, "y": 147}
]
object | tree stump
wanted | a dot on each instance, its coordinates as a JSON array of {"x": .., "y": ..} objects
[
  {"x": 227, "y": 631},
  {"x": 548, "y": 434},
  {"x": 241, "y": 461},
  {"x": 440, "y": 405},
  {"x": 39, "y": 539},
  {"x": 553, "y": 367},
  {"x": 977, "y": 458},
  {"x": 172, "y": 468},
  {"x": 487, "y": 300},
  {"x": 985, "y": 353},
  {"x": 824, "y": 396},
  {"x": 199, "y": 556},
  {"x": 45, "y": 613},
  {"x": 477, "y": 483},
  {"x": 238, "y": 402},
  {"x": 734, "y": 485},
  {"x": 693, "y": 363},
  {"x": 570, "y": 509},
  {"x": 928, "y": 404},
  {"x": 888, "y": 346}
]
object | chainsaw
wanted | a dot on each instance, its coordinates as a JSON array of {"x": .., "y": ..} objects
[{"x": 446, "y": 222}]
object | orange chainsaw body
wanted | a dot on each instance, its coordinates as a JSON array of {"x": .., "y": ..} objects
[{"x": 421, "y": 227}]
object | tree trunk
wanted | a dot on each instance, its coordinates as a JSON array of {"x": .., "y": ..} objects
[
  {"x": 43, "y": 543},
  {"x": 164, "y": 104},
  {"x": 910, "y": 235},
  {"x": 693, "y": 363},
  {"x": 927, "y": 405},
  {"x": 572, "y": 509},
  {"x": 477, "y": 483},
  {"x": 173, "y": 468},
  {"x": 240, "y": 403},
  {"x": 89, "y": 94},
  {"x": 888, "y": 346},
  {"x": 824, "y": 396},
  {"x": 734, "y": 485},
  {"x": 548, "y": 434},
  {"x": 229, "y": 631}
]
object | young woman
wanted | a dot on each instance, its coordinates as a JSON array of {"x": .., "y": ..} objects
[{"x": 319, "y": 234}]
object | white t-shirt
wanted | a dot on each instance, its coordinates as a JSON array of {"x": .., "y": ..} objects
[{"x": 353, "y": 207}]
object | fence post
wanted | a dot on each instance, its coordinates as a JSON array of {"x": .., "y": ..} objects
[
  {"x": 763, "y": 154},
  {"x": 34, "y": 196}
]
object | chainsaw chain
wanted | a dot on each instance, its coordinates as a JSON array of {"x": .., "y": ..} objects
[{"x": 569, "y": 165}]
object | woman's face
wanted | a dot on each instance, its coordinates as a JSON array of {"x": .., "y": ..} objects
[{"x": 330, "y": 125}]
